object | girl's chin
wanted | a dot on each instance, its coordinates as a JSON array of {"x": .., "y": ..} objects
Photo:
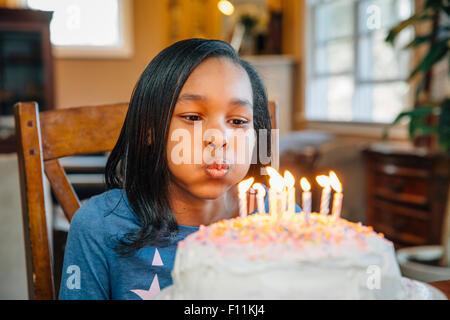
[{"x": 211, "y": 191}]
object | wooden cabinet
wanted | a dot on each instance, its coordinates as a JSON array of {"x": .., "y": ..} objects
[
  {"x": 26, "y": 71},
  {"x": 406, "y": 193}
]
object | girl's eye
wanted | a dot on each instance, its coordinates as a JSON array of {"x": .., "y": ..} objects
[
  {"x": 238, "y": 122},
  {"x": 192, "y": 117}
]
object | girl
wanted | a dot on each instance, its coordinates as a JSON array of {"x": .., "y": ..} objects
[{"x": 122, "y": 243}]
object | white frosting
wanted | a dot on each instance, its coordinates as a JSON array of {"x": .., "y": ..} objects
[{"x": 260, "y": 257}]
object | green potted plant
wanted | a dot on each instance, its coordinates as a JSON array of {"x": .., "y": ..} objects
[{"x": 428, "y": 118}]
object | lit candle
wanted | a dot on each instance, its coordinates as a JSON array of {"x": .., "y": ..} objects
[
  {"x": 272, "y": 201},
  {"x": 251, "y": 200},
  {"x": 289, "y": 182},
  {"x": 338, "y": 196},
  {"x": 276, "y": 197},
  {"x": 276, "y": 183},
  {"x": 260, "y": 194},
  {"x": 324, "y": 182},
  {"x": 243, "y": 188},
  {"x": 306, "y": 197}
]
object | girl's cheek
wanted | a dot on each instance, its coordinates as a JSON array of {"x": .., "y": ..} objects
[{"x": 247, "y": 143}]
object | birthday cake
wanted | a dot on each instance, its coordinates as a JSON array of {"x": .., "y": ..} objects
[{"x": 285, "y": 257}]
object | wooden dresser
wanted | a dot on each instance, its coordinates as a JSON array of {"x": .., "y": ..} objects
[
  {"x": 26, "y": 66},
  {"x": 406, "y": 193}
]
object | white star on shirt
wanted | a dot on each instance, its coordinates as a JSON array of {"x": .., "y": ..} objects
[{"x": 150, "y": 293}]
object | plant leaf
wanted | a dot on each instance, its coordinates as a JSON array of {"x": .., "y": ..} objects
[
  {"x": 422, "y": 111},
  {"x": 425, "y": 130},
  {"x": 447, "y": 10},
  {"x": 400, "y": 116},
  {"x": 420, "y": 86},
  {"x": 393, "y": 32},
  {"x": 434, "y": 4},
  {"x": 418, "y": 40},
  {"x": 434, "y": 55},
  {"x": 412, "y": 126},
  {"x": 438, "y": 5}
]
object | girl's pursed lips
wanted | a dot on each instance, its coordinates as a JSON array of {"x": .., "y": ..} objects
[
  {"x": 217, "y": 169},
  {"x": 218, "y": 166}
]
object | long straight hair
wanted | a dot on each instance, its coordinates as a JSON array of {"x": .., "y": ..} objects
[{"x": 138, "y": 163}]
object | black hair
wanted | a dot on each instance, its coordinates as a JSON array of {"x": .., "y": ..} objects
[{"x": 140, "y": 168}]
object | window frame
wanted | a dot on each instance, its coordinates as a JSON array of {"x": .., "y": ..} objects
[
  {"x": 347, "y": 127},
  {"x": 124, "y": 50}
]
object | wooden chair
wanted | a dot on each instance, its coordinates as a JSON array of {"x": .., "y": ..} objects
[{"x": 43, "y": 138}]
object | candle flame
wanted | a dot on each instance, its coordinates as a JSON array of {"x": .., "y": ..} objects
[
  {"x": 259, "y": 188},
  {"x": 273, "y": 173},
  {"x": 323, "y": 181},
  {"x": 289, "y": 179},
  {"x": 245, "y": 185},
  {"x": 335, "y": 183},
  {"x": 305, "y": 184},
  {"x": 276, "y": 183}
]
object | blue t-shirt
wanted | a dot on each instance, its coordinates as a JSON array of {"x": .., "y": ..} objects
[{"x": 94, "y": 270}]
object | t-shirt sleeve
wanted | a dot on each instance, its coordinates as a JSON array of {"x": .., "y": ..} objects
[{"x": 85, "y": 273}]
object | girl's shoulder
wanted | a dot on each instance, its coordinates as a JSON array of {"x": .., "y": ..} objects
[{"x": 108, "y": 208}]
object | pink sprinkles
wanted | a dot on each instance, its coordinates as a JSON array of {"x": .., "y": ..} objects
[{"x": 262, "y": 230}]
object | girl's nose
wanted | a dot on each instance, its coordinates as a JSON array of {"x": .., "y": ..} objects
[
  {"x": 216, "y": 135},
  {"x": 210, "y": 142}
]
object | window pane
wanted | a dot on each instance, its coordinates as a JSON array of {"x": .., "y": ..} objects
[
  {"x": 366, "y": 85},
  {"x": 82, "y": 22},
  {"x": 380, "y": 14},
  {"x": 333, "y": 20},
  {"x": 330, "y": 98},
  {"x": 334, "y": 56},
  {"x": 378, "y": 60},
  {"x": 380, "y": 102}
]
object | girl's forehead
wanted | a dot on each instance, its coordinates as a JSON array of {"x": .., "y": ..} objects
[{"x": 218, "y": 75}]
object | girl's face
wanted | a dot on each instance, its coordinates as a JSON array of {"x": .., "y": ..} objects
[{"x": 212, "y": 118}]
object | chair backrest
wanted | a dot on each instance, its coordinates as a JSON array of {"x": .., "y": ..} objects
[{"x": 43, "y": 138}]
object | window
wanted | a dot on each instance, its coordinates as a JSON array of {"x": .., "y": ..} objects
[
  {"x": 353, "y": 75},
  {"x": 86, "y": 28}
]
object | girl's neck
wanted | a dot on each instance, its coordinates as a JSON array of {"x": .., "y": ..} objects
[{"x": 192, "y": 211}]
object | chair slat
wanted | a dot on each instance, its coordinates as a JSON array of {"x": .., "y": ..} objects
[
  {"x": 81, "y": 130},
  {"x": 63, "y": 190},
  {"x": 39, "y": 267}
]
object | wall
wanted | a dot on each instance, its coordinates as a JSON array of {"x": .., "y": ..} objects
[
  {"x": 13, "y": 282},
  {"x": 294, "y": 33},
  {"x": 98, "y": 81}
]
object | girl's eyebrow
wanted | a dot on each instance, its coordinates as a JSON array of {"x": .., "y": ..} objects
[
  {"x": 200, "y": 98},
  {"x": 242, "y": 102},
  {"x": 191, "y": 97}
]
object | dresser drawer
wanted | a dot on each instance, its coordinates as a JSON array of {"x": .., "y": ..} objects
[
  {"x": 411, "y": 190},
  {"x": 398, "y": 223},
  {"x": 406, "y": 192}
]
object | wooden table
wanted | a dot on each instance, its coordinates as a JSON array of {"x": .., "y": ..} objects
[{"x": 444, "y": 286}]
